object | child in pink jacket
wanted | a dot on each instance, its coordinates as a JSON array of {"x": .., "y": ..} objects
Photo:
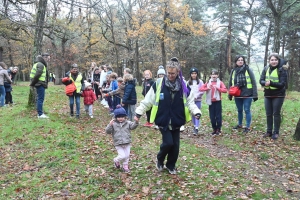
[{"x": 213, "y": 88}]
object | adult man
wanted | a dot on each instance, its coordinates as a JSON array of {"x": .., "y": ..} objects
[
  {"x": 39, "y": 79},
  {"x": 171, "y": 102},
  {"x": 8, "y": 86}
]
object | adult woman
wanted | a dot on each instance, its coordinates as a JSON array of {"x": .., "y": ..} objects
[
  {"x": 274, "y": 79},
  {"x": 76, "y": 77},
  {"x": 242, "y": 76},
  {"x": 96, "y": 82},
  {"x": 3, "y": 77}
]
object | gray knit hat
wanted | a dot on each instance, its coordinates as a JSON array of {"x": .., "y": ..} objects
[{"x": 161, "y": 70}]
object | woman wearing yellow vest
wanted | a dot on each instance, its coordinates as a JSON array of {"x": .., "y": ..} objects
[
  {"x": 76, "y": 77},
  {"x": 242, "y": 76},
  {"x": 171, "y": 103},
  {"x": 274, "y": 79}
]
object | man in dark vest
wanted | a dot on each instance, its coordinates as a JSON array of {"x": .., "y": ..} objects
[{"x": 39, "y": 79}]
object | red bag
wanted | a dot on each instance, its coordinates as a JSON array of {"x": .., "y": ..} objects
[
  {"x": 234, "y": 91},
  {"x": 70, "y": 89}
]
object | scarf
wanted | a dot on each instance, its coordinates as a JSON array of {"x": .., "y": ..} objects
[
  {"x": 240, "y": 76},
  {"x": 174, "y": 87},
  {"x": 216, "y": 94}
]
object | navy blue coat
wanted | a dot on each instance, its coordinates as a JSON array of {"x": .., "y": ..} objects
[{"x": 129, "y": 97}]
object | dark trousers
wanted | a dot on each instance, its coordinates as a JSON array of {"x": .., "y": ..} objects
[
  {"x": 215, "y": 114},
  {"x": 148, "y": 114},
  {"x": 273, "y": 108},
  {"x": 116, "y": 101},
  {"x": 8, "y": 98},
  {"x": 97, "y": 91},
  {"x": 169, "y": 147}
]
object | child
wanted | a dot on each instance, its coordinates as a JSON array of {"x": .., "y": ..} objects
[
  {"x": 118, "y": 92},
  {"x": 88, "y": 98},
  {"x": 214, "y": 87},
  {"x": 120, "y": 130},
  {"x": 161, "y": 72},
  {"x": 107, "y": 89},
  {"x": 114, "y": 86},
  {"x": 130, "y": 98},
  {"x": 146, "y": 87},
  {"x": 195, "y": 84}
]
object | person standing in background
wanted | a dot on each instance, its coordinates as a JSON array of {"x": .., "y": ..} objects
[{"x": 39, "y": 77}]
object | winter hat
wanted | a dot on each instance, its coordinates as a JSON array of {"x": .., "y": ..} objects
[
  {"x": 193, "y": 69},
  {"x": 120, "y": 111},
  {"x": 87, "y": 84},
  {"x": 161, "y": 70}
]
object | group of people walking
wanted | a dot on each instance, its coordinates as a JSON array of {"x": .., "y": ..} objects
[{"x": 170, "y": 102}]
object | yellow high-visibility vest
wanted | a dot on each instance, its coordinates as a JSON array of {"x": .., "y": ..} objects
[
  {"x": 248, "y": 79},
  {"x": 273, "y": 77},
  {"x": 77, "y": 82},
  {"x": 33, "y": 72},
  {"x": 155, "y": 106}
]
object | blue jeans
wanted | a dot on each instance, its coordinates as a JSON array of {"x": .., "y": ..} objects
[
  {"x": 40, "y": 91},
  {"x": 169, "y": 147},
  {"x": 77, "y": 99},
  {"x": 244, "y": 104},
  {"x": 273, "y": 108},
  {"x": 2, "y": 95},
  {"x": 215, "y": 114}
]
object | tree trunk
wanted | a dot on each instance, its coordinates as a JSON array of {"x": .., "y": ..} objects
[
  {"x": 138, "y": 74},
  {"x": 297, "y": 131},
  {"x": 1, "y": 54},
  {"x": 37, "y": 47},
  {"x": 267, "y": 43},
  {"x": 229, "y": 37},
  {"x": 162, "y": 42}
]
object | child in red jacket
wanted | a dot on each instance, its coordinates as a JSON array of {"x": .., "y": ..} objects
[{"x": 88, "y": 98}]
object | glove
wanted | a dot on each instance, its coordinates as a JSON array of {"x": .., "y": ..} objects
[
  {"x": 255, "y": 99},
  {"x": 230, "y": 98}
]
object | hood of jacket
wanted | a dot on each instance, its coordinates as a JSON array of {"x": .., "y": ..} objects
[{"x": 39, "y": 58}]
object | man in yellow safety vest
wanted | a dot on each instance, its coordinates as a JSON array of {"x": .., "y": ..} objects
[{"x": 39, "y": 79}]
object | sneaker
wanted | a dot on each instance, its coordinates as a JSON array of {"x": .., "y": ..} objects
[
  {"x": 126, "y": 168},
  {"x": 106, "y": 106},
  {"x": 148, "y": 124},
  {"x": 275, "y": 136},
  {"x": 172, "y": 171},
  {"x": 246, "y": 130},
  {"x": 159, "y": 166},
  {"x": 92, "y": 116},
  {"x": 156, "y": 127},
  {"x": 43, "y": 116},
  {"x": 237, "y": 127},
  {"x": 267, "y": 134},
  {"x": 218, "y": 132},
  {"x": 181, "y": 128},
  {"x": 195, "y": 131},
  {"x": 213, "y": 133},
  {"x": 117, "y": 164}
]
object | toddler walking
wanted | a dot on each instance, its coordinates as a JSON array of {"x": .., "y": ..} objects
[
  {"x": 88, "y": 98},
  {"x": 120, "y": 128}
]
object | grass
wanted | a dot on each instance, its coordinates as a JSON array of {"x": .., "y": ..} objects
[{"x": 68, "y": 158}]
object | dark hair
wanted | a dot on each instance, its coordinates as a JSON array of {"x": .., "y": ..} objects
[
  {"x": 237, "y": 57},
  {"x": 274, "y": 55},
  {"x": 74, "y": 66},
  {"x": 214, "y": 72}
]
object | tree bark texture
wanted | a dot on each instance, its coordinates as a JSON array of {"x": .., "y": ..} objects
[
  {"x": 297, "y": 131},
  {"x": 229, "y": 37}
]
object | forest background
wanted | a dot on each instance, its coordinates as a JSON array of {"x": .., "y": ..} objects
[{"x": 143, "y": 34}]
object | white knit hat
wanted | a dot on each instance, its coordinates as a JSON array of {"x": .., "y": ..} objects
[
  {"x": 87, "y": 84},
  {"x": 161, "y": 70}
]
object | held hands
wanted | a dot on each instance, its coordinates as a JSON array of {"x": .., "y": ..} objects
[
  {"x": 230, "y": 98},
  {"x": 267, "y": 83},
  {"x": 197, "y": 116}
]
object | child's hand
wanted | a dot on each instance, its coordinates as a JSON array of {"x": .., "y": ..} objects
[{"x": 111, "y": 122}]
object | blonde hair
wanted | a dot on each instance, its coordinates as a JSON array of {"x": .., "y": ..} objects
[
  {"x": 120, "y": 79},
  {"x": 3, "y": 65},
  {"x": 148, "y": 71},
  {"x": 127, "y": 77}
]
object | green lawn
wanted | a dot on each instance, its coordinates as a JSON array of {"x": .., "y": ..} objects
[{"x": 66, "y": 158}]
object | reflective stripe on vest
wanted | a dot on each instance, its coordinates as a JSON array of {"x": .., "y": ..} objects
[
  {"x": 77, "y": 82},
  {"x": 272, "y": 77},
  {"x": 248, "y": 79},
  {"x": 155, "y": 106},
  {"x": 33, "y": 72}
]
